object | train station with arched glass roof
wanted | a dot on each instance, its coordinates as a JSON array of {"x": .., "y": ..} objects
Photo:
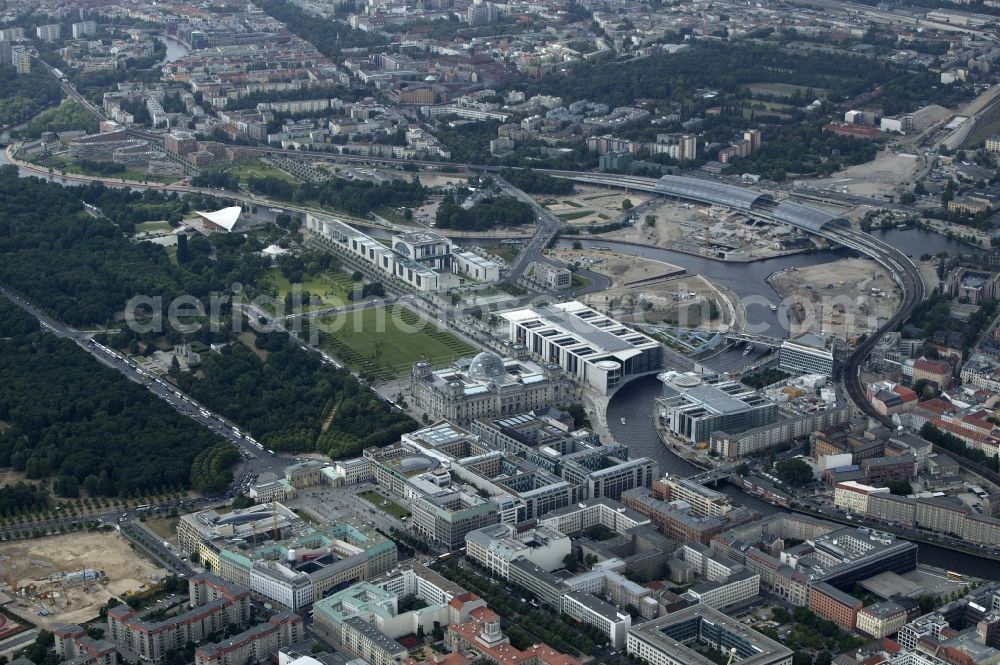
[{"x": 804, "y": 217}]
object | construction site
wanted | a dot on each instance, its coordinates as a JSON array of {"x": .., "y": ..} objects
[
  {"x": 648, "y": 291},
  {"x": 847, "y": 298},
  {"x": 69, "y": 578},
  {"x": 713, "y": 232}
]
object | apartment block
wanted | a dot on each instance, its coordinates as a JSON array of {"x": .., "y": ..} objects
[
  {"x": 254, "y": 645},
  {"x": 215, "y": 604}
]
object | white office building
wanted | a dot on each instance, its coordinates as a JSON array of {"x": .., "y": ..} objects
[
  {"x": 588, "y": 345},
  {"x": 809, "y": 353},
  {"x": 495, "y": 546},
  {"x": 424, "y": 260},
  {"x": 592, "y": 610}
]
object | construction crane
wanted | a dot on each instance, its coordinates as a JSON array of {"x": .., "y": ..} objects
[{"x": 732, "y": 656}]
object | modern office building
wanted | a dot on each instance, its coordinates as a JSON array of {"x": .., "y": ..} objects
[
  {"x": 578, "y": 457},
  {"x": 291, "y": 568},
  {"x": 693, "y": 406},
  {"x": 586, "y": 344},
  {"x": 675, "y": 519},
  {"x": 677, "y": 638},
  {"x": 585, "y": 515},
  {"x": 486, "y": 386},
  {"x": 495, "y": 547},
  {"x": 423, "y": 260},
  {"x": 927, "y": 626},
  {"x": 835, "y": 605},
  {"x": 480, "y": 637},
  {"x": 703, "y": 500},
  {"x": 809, "y": 353},
  {"x": 737, "y": 588},
  {"x": 446, "y": 518},
  {"x": 591, "y": 610}
]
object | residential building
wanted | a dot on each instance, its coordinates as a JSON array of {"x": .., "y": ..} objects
[
  {"x": 852, "y": 497},
  {"x": 48, "y": 33},
  {"x": 938, "y": 372},
  {"x": 76, "y": 647},
  {"x": 215, "y": 604},
  {"x": 254, "y": 645},
  {"x": 752, "y": 441},
  {"x": 883, "y": 470},
  {"x": 84, "y": 29}
]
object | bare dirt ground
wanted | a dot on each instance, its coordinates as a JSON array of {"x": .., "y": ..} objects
[
  {"x": 844, "y": 298},
  {"x": 706, "y": 231},
  {"x": 682, "y": 301},
  {"x": 880, "y": 176},
  {"x": 37, "y": 562},
  {"x": 589, "y": 205}
]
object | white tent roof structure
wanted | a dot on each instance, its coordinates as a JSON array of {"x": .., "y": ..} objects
[{"x": 225, "y": 218}]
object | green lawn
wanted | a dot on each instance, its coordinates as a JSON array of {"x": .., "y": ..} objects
[
  {"x": 570, "y": 216},
  {"x": 259, "y": 170},
  {"x": 62, "y": 163},
  {"x": 387, "y": 341},
  {"x": 383, "y": 504},
  {"x": 153, "y": 227},
  {"x": 331, "y": 287},
  {"x": 581, "y": 281},
  {"x": 506, "y": 252}
]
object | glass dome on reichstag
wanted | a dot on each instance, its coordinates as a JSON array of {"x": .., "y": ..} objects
[{"x": 487, "y": 366}]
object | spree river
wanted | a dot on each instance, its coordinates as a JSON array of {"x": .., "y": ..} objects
[{"x": 634, "y": 403}]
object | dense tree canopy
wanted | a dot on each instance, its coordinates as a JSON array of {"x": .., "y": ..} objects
[
  {"x": 329, "y": 36},
  {"x": 484, "y": 215},
  {"x": 24, "y": 95},
  {"x": 67, "y": 117},
  {"x": 71, "y": 417},
  {"x": 359, "y": 197},
  {"x": 83, "y": 270},
  {"x": 793, "y": 471},
  {"x": 728, "y": 67},
  {"x": 292, "y": 401},
  {"x": 537, "y": 183}
]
